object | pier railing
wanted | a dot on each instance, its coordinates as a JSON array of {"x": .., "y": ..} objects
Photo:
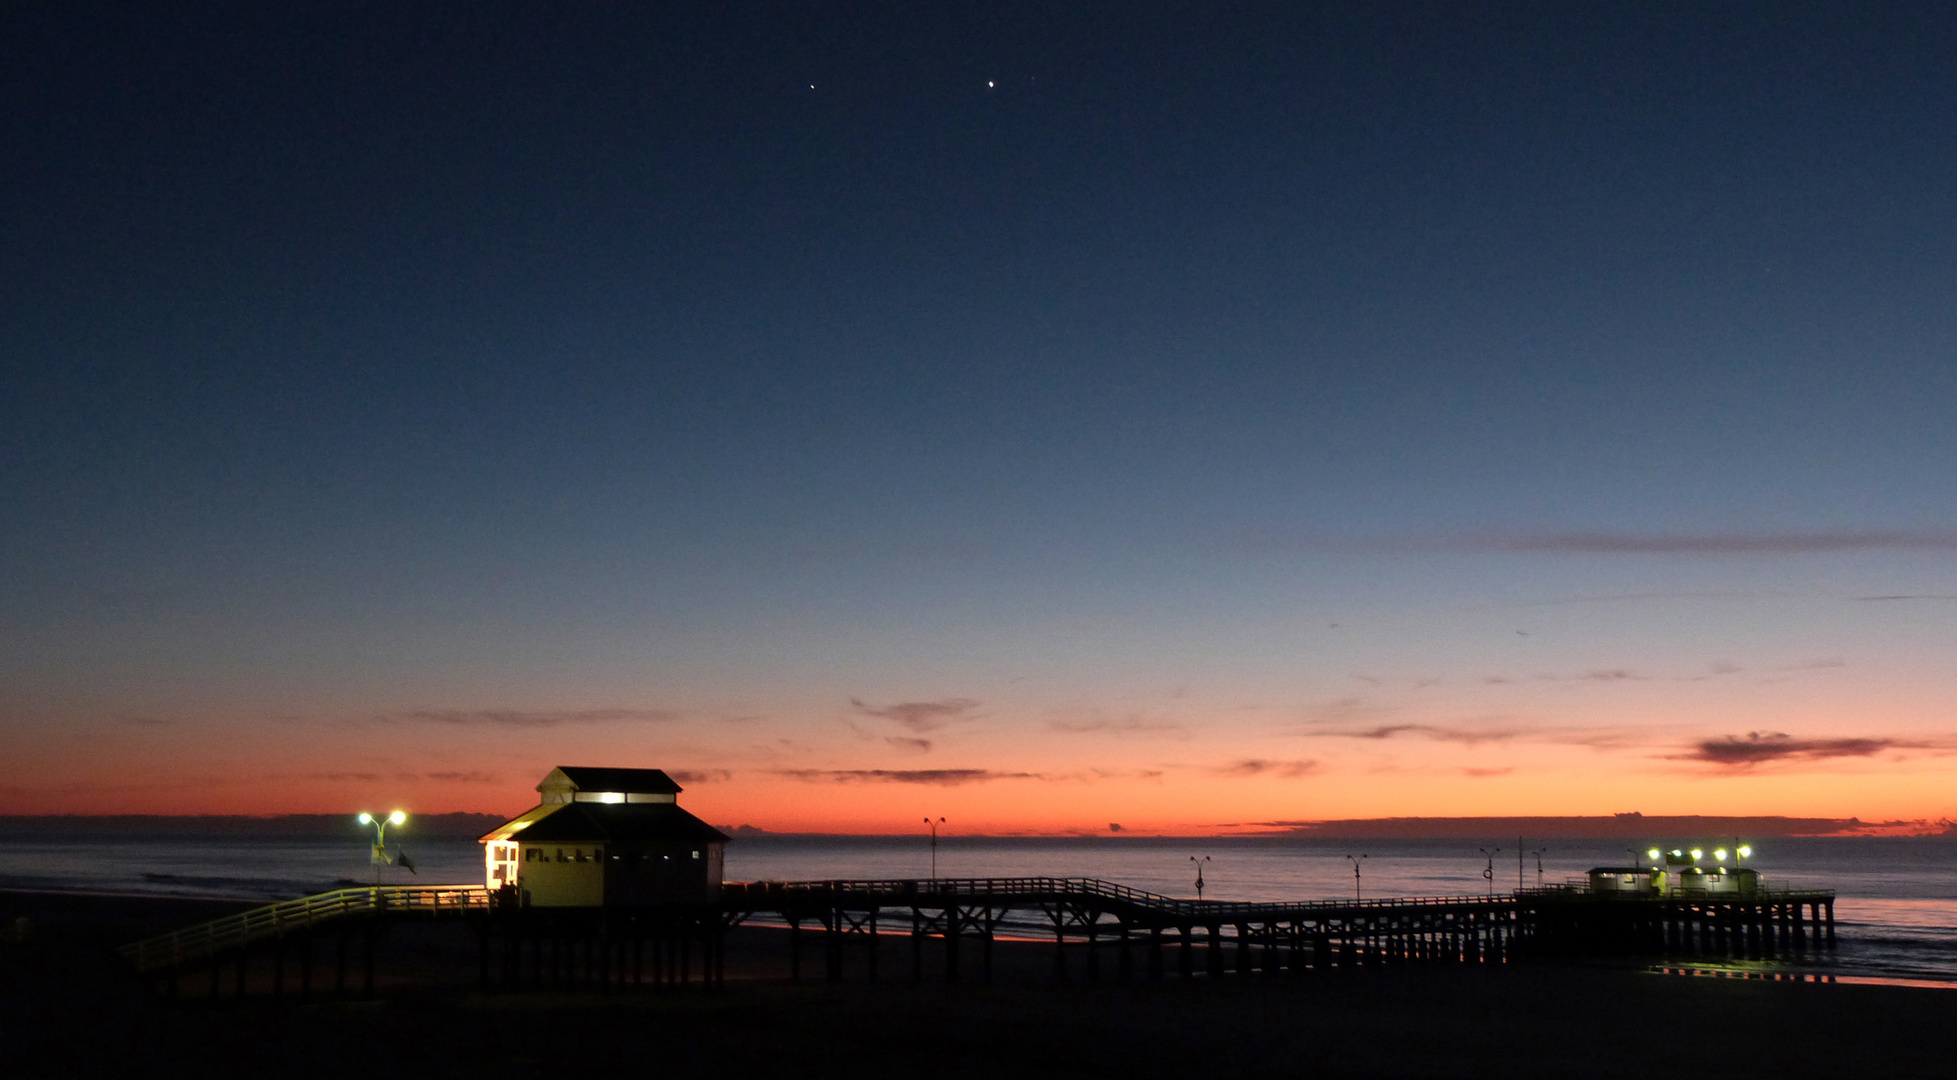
[
  {"x": 236, "y": 931},
  {"x": 1580, "y": 891},
  {"x": 932, "y": 891}
]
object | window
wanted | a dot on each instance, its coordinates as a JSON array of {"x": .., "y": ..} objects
[{"x": 696, "y": 854}]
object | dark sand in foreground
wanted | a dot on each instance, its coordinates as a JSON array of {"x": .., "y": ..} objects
[{"x": 71, "y": 1009}]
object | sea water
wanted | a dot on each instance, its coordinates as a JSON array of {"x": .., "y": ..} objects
[{"x": 1896, "y": 906}]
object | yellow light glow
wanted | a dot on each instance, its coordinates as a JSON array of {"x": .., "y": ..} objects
[
  {"x": 366, "y": 819},
  {"x": 1719, "y": 854},
  {"x": 397, "y": 817},
  {"x": 1654, "y": 853},
  {"x": 1746, "y": 852},
  {"x": 1697, "y": 854}
]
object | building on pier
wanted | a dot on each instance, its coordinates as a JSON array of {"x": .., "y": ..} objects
[
  {"x": 603, "y": 837},
  {"x": 1627, "y": 881},
  {"x": 1677, "y": 872}
]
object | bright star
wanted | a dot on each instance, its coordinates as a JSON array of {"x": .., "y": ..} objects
[{"x": 989, "y": 84}]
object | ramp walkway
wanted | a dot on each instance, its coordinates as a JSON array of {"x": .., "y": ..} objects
[{"x": 205, "y": 941}]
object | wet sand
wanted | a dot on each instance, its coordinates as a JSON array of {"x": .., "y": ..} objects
[{"x": 69, "y": 1008}]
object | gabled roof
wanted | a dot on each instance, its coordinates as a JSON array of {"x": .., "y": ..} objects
[
  {"x": 601, "y": 822},
  {"x": 509, "y": 829},
  {"x": 633, "y": 781}
]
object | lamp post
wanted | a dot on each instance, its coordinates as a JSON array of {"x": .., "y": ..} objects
[
  {"x": 379, "y": 854},
  {"x": 1539, "y": 854},
  {"x": 1199, "y": 875},
  {"x": 934, "y": 845},
  {"x": 1488, "y": 874},
  {"x": 1355, "y": 860}
]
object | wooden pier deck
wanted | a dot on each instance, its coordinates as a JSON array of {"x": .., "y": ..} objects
[
  {"x": 1098, "y": 929},
  {"x": 1106, "y": 923}
]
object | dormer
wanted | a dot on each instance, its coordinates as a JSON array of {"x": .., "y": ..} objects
[{"x": 577, "y": 783}]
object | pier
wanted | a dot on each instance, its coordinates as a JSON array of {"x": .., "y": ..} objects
[
  {"x": 1119, "y": 931},
  {"x": 846, "y": 928}
]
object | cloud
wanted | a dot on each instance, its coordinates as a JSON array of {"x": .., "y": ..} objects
[
  {"x": 1612, "y": 675},
  {"x": 1707, "y": 544},
  {"x": 470, "y": 777},
  {"x": 920, "y": 716},
  {"x": 1113, "y": 774},
  {"x": 909, "y": 745},
  {"x": 1117, "y": 726},
  {"x": 1469, "y": 736},
  {"x": 934, "y": 777},
  {"x": 454, "y": 777},
  {"x": 526, "y": 718},
  {"x": 700, "y": 776},
  {"x": 1763, "y": 747},
  {"x": 1716, "y": 670},
  {"x": 1484, "y": 773},
  {"x": 1283, "y": 770}
]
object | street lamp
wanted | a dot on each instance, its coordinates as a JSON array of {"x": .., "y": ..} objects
[
  {"x": 1355, "y": 860},
  {"x": 1539, "y": 854},
  {"x": 934, "y": 845},
  {"x": 1199, "y": 875},
  {"x": 379, "y": 857},
  {"x": 1488, "y": 874}
]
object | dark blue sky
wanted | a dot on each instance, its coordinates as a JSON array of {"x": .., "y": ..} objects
[{"x": 382, "y": 340}]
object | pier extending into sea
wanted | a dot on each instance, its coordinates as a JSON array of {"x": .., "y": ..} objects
[{"x": 1097, "y": 929}]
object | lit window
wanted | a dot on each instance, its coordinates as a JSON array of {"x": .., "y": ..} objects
[{"x": 696, "y": 854}]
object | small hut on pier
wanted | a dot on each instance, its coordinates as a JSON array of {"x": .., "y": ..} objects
[
  {"x": 1635, "y": 881},
  {"x": 605, "y": 837}
]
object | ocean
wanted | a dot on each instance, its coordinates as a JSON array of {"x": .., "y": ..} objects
[{"x": 1896, "y": 907}]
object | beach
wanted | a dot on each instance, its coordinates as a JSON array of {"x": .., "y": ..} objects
[{"x": 71, "y": 1008}]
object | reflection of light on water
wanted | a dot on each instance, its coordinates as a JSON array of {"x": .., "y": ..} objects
[
  {"x": 1765, "y": 974},
  {"x": 1884, "y": 980}
]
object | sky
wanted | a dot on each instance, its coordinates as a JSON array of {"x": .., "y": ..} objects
[{"x": 1192, "y": 417}]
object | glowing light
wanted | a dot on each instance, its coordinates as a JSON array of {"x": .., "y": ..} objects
[
  {"x": 1719, "y": 854},
  {"x": 989, "y": 84},
  {"x": 397, "y": 817},
  {"x": 365, "y": 819},
  {"x": 1697, "y": 854},
  {"x": 1654, "y": 853},
  {"x": 1746, "y": 852}
]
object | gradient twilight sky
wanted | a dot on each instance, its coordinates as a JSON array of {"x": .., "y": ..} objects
[{"x": 1180, "y": 415}]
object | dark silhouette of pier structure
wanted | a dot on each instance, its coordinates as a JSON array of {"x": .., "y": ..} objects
[
  {"x": 1100, "y": 929},
  {"x": 1097, "y": 930}
]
